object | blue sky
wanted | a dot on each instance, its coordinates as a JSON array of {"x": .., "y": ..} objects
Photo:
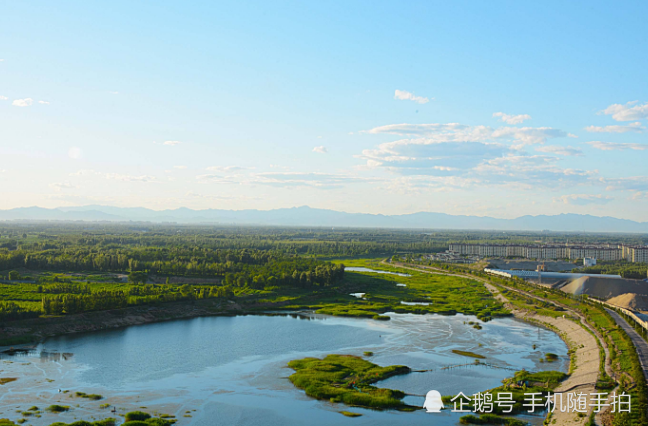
[{"x": 483, "y": 108}]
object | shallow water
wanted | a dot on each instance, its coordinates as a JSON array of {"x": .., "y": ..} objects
[
  {"x": 376, "y": 271},
  {"x": 232, "y": 370}
]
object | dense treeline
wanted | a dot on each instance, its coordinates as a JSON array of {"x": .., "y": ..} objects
[
  {"x": 39, "y": 237},
  {"x": 177, "y": 261},
  {"x": 295, "y": 241},
  {"x": 13, "y": 311},
  {"x": 87, "y": 259},
  {"x": 148, "y": 294}
]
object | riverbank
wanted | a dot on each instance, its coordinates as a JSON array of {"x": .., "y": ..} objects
[
  {"x": 31, "y": 331},
  {"x": 583, "y": 346}
]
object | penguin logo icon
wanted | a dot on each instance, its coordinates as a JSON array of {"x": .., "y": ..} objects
[{"x": 433, "y": 402}]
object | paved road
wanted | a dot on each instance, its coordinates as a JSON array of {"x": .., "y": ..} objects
[{"x": 639, "y": 342}]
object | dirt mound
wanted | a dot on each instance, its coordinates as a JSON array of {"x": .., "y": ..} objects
[
  {"x": 605, "y": 287},
  {"x": 634, "y": 301}
]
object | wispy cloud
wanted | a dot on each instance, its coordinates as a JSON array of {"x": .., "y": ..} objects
[
  {"x": 23, "y": 102},
  {"x": 85, "y": 172},
  {"x": 616, "y": 128},
  {"x": 62, "y": 185},
  {"x": 456, "y": 132},
  {"x": 227, "y": 169},
  {"x": 193, "y": 194},
  {"x": 408, "y": 96},
  {"x": 307, "y": 179},
  {"x": 633, "y": 183},
  {"x": 560, "y": 150},
  {"x": 75, "y": 153},
  {"x": 628, "y": 112},
  {"x": 171, "y": 143},
  {"x": 512, "y": 119},
  {"x": 320, "y": 149},
  {"x": 613, "y": 146},
  {"x": 43, "y": 102},
  {"x": 3, "y": 98},
  {"x": 131, "y": 178},
  {"x": 214, "y": 178},
  {"x": 583, "y": 199}
]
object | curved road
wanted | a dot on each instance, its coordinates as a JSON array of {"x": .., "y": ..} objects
[{"x": 640, "y": 344}]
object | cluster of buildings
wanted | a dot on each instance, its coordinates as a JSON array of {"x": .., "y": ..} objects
[{"x": 607, "y": 252}]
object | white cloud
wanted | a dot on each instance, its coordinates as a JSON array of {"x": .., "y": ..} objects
[
  {"x": 3, "y": 98},
  {"x": 453, "y": 154},
  {"x": 62, "y": 185},
  {"x": 628, "y": 112},
  {"x": 633, "y": 183},
  {"x": 640, "y": 196},
  {"x": 612, "y": 146},
  {"x": 560, "y": 150},
  {"x": 114, "y": 93},
  {"x": 75, "y": 153},
  {"x": 425, "y": 156},
  {"x": 227, "y": 169},
  {"x": 85, "y": 172},
  {"x": 320, "y": 149},
  {"x": 407, "y": 96},
  {"x": 130, "y": 178},
  {"x": 583, "y": 199},
  {"x": 213, "y": 178},
  {"x": 512, "y": 119},
  {"x": 23, "y": 102},
  {"x": 43, "y": 102},
  {"x": 171, "y": 143},
  {"x": 455, "y": 132},
  {"x": 220, "y": 197},
  {"x": 632, "y": 127},
  {"x": 308, "y": 179}
]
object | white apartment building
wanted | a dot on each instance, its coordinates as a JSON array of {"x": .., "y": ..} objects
[{"x": 544, "y": 251}]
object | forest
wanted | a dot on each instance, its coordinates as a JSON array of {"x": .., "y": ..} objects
[{"x": 63, "y": 268}]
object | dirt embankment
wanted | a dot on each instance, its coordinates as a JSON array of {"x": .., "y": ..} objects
[
  {"x": 605, "y": 287},
  {"x": 637, "y": 302}
]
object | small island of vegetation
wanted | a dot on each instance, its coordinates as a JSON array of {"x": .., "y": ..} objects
[{"x": 347, "y": 379}]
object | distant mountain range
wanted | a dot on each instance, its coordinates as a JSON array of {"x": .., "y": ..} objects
[{"x": 306, "y": 216}]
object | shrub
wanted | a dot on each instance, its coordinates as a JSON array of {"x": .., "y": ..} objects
[
  {"x": 57, "y": 408},
  {"x": 137, "y": 415}
]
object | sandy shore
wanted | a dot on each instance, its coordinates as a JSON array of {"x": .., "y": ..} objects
[{"x": 585, "y": 374}]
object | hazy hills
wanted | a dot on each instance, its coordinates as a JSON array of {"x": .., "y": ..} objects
[{"x": 306, "y": 216}]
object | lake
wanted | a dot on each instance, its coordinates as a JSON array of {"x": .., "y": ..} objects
[{"x": 232, "y": 370}]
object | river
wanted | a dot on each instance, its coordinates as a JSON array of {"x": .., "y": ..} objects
[{"x": 232, "y": 370}]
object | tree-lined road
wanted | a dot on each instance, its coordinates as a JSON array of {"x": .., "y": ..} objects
[{"x": 640, "y": 344}]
